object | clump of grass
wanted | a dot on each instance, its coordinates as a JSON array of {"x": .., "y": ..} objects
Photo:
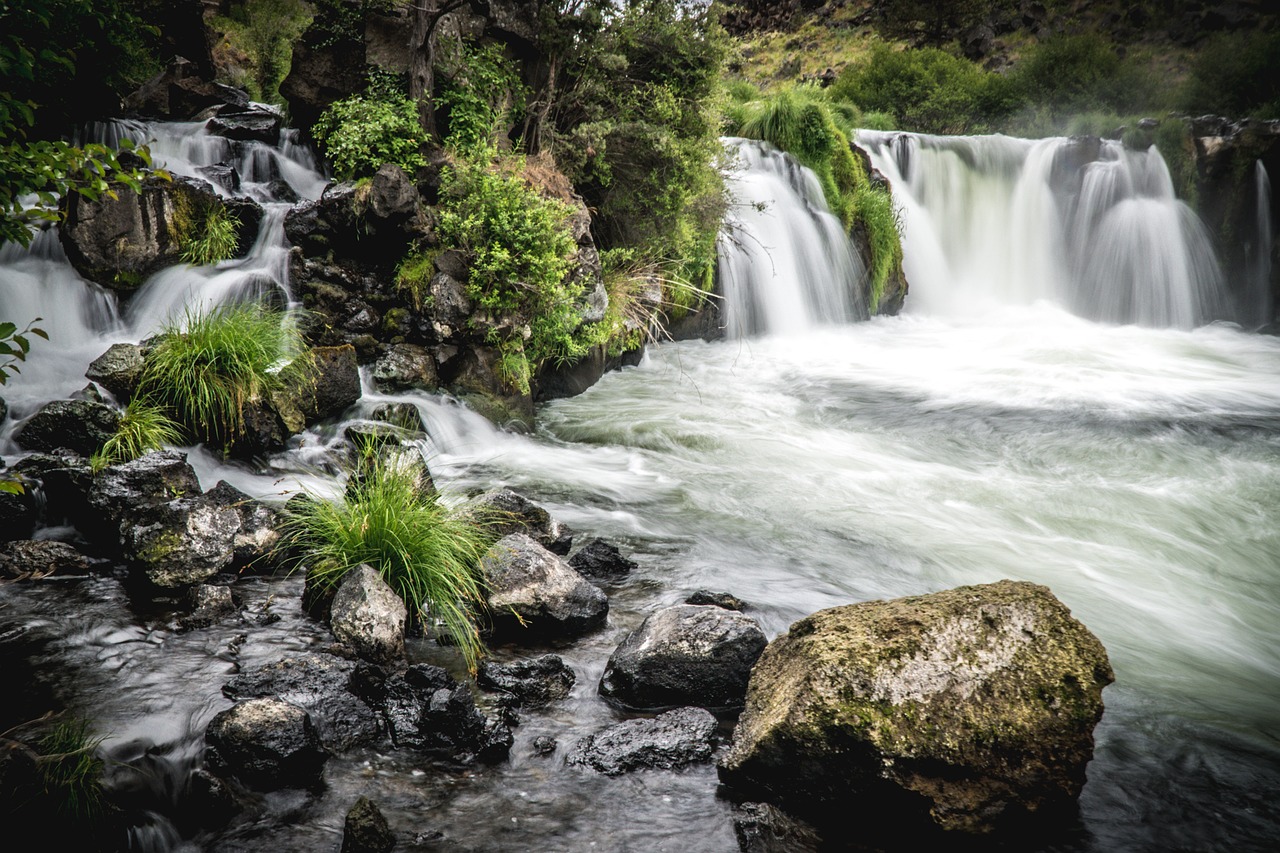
[
  {"x": 208, "y": 368},
  {"x": 877, "y": 214},
  {"x": 71, "y": 771},
  {"x": 414, "y": 274},
  {"x": 144, "y": 426},
  {"x": 428, "y": 553},
  {"x": 215, "y": 238}
]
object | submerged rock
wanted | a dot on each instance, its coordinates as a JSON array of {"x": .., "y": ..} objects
[
  {"x": 368, "y": 616},
  {"x": 685, "y": 655},
  {"x": 267, "y": 744},
  {"x": 668, "y": 741},
  {"x": 961, "y": 711},
  {"x": 532, "y": 592},
  {"x": 599, "y": 559}
]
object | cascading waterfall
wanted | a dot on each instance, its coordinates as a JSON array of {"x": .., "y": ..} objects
[
  {"x": 785, "y": 261},
  {"x": 1086, "y": 223},
  {"x": 1258, "y": 307}
]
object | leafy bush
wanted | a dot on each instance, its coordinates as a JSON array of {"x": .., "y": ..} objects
[
  {"x": 428, "y": 553},
  {"x": 214, "y": 237},
  {"x": 482, "y": 86},
  {"x": 1237, "y": 74},
  {"x": 265, "y": 30},
  {"x": 1078, "y": 73},
  {"x": 521, "y": 251},
  {"x": 208, "y": 369},
  {"x": 360, "y": 133},
  {"x": 143, "y": 427}
]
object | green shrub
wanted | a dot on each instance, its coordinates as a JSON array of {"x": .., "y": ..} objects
[
  {"x": 265, "y": 30},
  {"x": 1078, "y": 73},
  {"x": 429, "y": 554},
  {"x": 208, "y": 369},
  {"x": 360, "y": 133},
  {"x": 878, "y": 216},
  {"x": 521, "y": 252},
  {"x": 1236, "y": 74},
  {"x": 414, "y": 274},
  {"x": 482, "y": 87},
  {"x": 214, "y": 237},
  {"x": 143, "y": 427}
]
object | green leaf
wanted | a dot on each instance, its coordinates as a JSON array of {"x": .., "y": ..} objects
[{"x": 7, "y": 329}]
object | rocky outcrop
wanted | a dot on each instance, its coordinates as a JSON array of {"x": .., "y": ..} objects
[
  {"x": 532, "y": 683},
  {"x": 180, "y": 91},
  {"x": 368, "y": 616},
  {"x": 81, "y": 426},
  {"x": 685, "y": 655},
  {"x": 534, "y": 593},
  {"x": 425, "y": 708},
  {"x": 124, "y": 491},
  {"x": 962, "y": 711},
  {"x": 267, "y": 744},
  {"x": 668, "y": 741}
]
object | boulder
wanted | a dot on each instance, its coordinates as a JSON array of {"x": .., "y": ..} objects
[
  {"x": 763, "y": 828},
  {"x": 255, "y": 540},
  {"x": 368, "y": 616},
  {"x": 222, "y": 175},
  {"x": 685, "y": 655},
  {"x": 324, "y": 388},
  {"x": 403, "y": 415},
  {"x": 365, "y": 830},
  {"x": 255, "y": 125},
  {"x": 508, "y": 512},
  {"x": 64, "y": 478},
  {"x": 426, "y": 709},
  {"x": 182, "y": 542},
  {"x": 27, "y": 559},
  {"x": 124, "y": 491},
  {"x": 532, "y": 592},
  {"x": 119, "y": 370},
  {"x": 666, "y": 742},
  {"x": 266, "y": 743},
  {"x": 180, "y": 91},
  {"x": 533, "y": 683},
  {"x": 325, "y": 687},
  {"x": 209, "y": 604},
  {"x": 18, "y": 514},
  {"x": 964, "y": 712},
  {"x": 716, "y": 599},
  {"x": 78, "y": 425},
  {"x": 599, "y": 559},
  {"x": 405, "y": 367}
]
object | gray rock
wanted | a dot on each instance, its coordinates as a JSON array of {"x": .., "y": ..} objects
[
  {"x": 668, "y": 741},
  {"x": 507, "y": 512},
  {"x": 180, "y": 91},
  {"x": 266, "y": 743},
  {"x": 78, "y": 425},
  {"x": 365, "y": 830},
  {"x": 255, "y": 541},
  {"x": 405, "y": 367},
  {"x": 963, "y": 711},
  {"x": 27, "y": 559},
  {"x": 685, "y": 655},
  {"x": 325, "y": 388},
  {"x": 221, "y": 175},
  {"x": 183, "y": 542},
  {"x": 599, "y": 559},
  {"x": 403, "y": 415},
  {"x": 325, "y": 687},
  {"x": 247, "y": 125},
  {"x": 534, "y": 682},
  {"x": 532, "y": 592},
  {"x": 392, "y": 194},
  {"x": 118, "y": 370},
  {"x": 125, "y": 490},
  {"x": 368, "y": 616},
  {"x": 427, "y": 709},
  {"x": 209, "y": 604},
  {"x": 716, "y": 599}
]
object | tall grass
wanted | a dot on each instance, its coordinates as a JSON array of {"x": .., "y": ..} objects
[
  {"x": 215, "y": 238},
  {"x": 71, "y": 771},
  {"x": 428, "y": 553},
  {"x": 144, "y": 426},
  {"x": 209, "y": 367}
]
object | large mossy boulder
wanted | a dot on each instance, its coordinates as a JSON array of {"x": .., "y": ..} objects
[{"x": 961, "y": 712}]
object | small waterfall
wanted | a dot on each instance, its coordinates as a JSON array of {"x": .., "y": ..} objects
[
  {"x": 1084, "y": 222},
  {"x": 1259, "y": 310},
  {"x": 785, "y": 261}
]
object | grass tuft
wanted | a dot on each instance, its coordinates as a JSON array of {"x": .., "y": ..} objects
[
  {"x": 216, "y": 238},
  {"x": 144, "y": 426}
]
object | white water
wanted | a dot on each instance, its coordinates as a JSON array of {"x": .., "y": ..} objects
[
  {"x": 1259, "y": 306},
  {"x": 786, "y": 263},
  {"x": 992, "y": 221}
]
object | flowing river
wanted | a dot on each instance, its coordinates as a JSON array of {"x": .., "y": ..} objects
[{"x": 1130, "y": 463}]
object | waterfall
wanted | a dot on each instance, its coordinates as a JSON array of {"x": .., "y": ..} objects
[
  {"x": 1259, "y": 309},
  {"x": 785, "y": 261},
  {"x": 1083, "y": 222}
]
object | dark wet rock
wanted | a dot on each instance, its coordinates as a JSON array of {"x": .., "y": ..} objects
[
  {"x": 685, "y": 655},
  {"x": 182, "y": 542},
  {"x": 267, "y": 744},
  {"x": 402, "y": 415},
  {"x": 247, "y": 125},
  {"x": 118, "y": 242},
  {"x": 209, "y": 605},
  {"x": 180, "y": 91},
  {"x": 18, "y": 514},
  {"x": 599, "y": 559},
  {"x": 365, "y": 830},
  {"x": 210, "y": 803},
  {"x": 221, "y": 175},
  {"x": 255, "y": 541},
  {"x": 326, "y": 224},
  {"x": 405, "y": 367},
  {"x": 64, "y": 479},
  {"x": 534, "y": 682},
  {"x": 716, "y": 599},
  {"x": 427, "y": 709},
  {"x": 119, "y": 370},
  {"x": 323, "y": 388},
  {"x": 544, "y": 745},
  {"x": 127, "y": 490},
  {"x": 77, "y": 425},
  {"x": 964, "y": 711},
  {"x": 509, "y": 512},
  {"x": 763, "y": 828},
  {"x": 323, "y": 685},
  {"x": 27, "y": 559},
  {"x": 666, "y": 742},
  {"x": 322, "y": 71},
  {"x": 482, "y": 384},
  {"x": 368, "y": 616},
  {"x": 555, "y": 381},
  {"x": 534, "y": 593}
]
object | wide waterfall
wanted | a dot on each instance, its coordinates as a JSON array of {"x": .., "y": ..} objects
[
  {"x": 1051, "y": 407},
  {"x": 1086, "y": 223},
  {"x": 785, "y": 261}
]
